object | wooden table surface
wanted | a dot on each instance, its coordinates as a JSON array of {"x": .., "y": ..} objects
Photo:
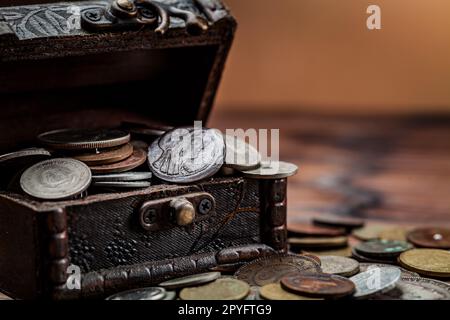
[{"x": 385, "y": 169}]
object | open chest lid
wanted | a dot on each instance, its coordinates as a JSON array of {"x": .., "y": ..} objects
[{"x": 82, "y": 64}]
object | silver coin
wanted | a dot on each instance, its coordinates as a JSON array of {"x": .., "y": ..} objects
[
  {"x": 363, "y": 267},
  {"x": 186, "y": 155},
  {"x": 375, "y": 280},
  {"x": 56, "y": 179},
  {"x": 152, "y": 293},
  {"x": 122, "y": 184},
  {"x": 272, "y": 170},
  {"x": 341, "y": 266},
  {"x": 25, "y": 153},
  {"x": 127, "y": 176},
  {"x": 417, "y": 289},
  {"x": 240, "y": 155},
  {"x": 254, "y": 293},
  {"x": 170, "y": 295},
  {"x": 189, "y": 281}
]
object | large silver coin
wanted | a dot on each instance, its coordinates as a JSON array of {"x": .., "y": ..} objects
[
  {"x": 56, "y": 179},
  {"x": 127, "y": 176},
  {"x": 152, "y": 293},
  {"x": 240, "y": 155},
  {"x": 363, "y": 267},
  {"x": 375, "y": 280},
  {"x": 186, "y": 155},
  {"x": 272, "y": 170},
  {"x": 24, "y": 155},
  {"x": 417, "y": 289},
  {"x": 189, "y": 281}
]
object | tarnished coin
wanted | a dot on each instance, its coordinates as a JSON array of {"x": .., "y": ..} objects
[
  {"x": 417, "y": 289},
  {"x": 309, "y": 230},
  {"x": 77, "y": 139},
  {"x": 319, "y": 285},
  {"x": 274, "y": 291},
  {"x": 312, "y": 256},
  {"x": 436, "y": 238},
  {"x": 24, "y": 155},
  {"x": 310, "y": 242},
  {"x": 122, "y": 184},
  {"x": 361, "y": 258},
  {"x": 340, "y": 266},
  {"x": 152, "y": 293},
  {"x": 230, "y": 268},
  {"x": 135, "y": 160},
  {"x": 382, "y": 248},
  {"x": 221, "y": 289},
  {"x": 56, "y": 179},
  {"x": 339, "y": 222},
  {"x": 363, "y": 267},
  {"x": 272, "y": 170},
  {"x": 240, "y": 155},
  {"x": 271, "y": 269},
  {"x": 127, "y": 176},
  {"x": 428, "y": 262},
  {"x": 395, "y": 233},
  {"x": 368, "y": 232},
  {"x": 105, "y": 156},
  {"x": 190, "y": 281},
  {"x": 186, "y": 155},
  {"x": 374, "y": 281}
]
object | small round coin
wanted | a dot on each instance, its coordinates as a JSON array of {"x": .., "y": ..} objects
[
  {"x": 428, "y": 262},
  {"x": 272, "y": 170},
  {"x": 368, "y": 232},
  {"x": 314, "y": 243},
  {"x": 382, "y": 248},
  {"x": 135, "y": 160},
  {"x": 309, "y": 230},
  {"x": 361, "y": 258},
  {"x": 240, "y": 155},
  {"x": 340, "y": 266},
  {"x": 339, "y": 222},
  {"x": 105, "y": 156},
  {"x": 375, "y": 280},
  {"x": 417, "y": 289},
  {"x": 394, "y": 233},
  {"x": 122, "y": 184},
  {"x": 127, "y": 176},
  {"x": 318, "y": 285},
  {"x": 270, "y": 269},
  {"x": 56, "y": 179},
  {"x": 436, "y": 238},
  {"x": 78, "y": 139},
  {"x": 363, "y": 267},
  {"x": 274, "y": 291},
  {"x": 190, "y": 281},
  {"x": 220, "y": 289},
  {"x": 151, "y": 293},
  {"x": 186, "y": 155}
]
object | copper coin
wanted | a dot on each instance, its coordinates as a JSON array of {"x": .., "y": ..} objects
[
  {"x": 436, "y": 238},
  {"x": 105, "y": 156},
  {"x": 138, "y": 157},
  {"x": 318, "y": 285},
  {"x": 309, "y": 230},
  {"x": 339, "y": 222}
]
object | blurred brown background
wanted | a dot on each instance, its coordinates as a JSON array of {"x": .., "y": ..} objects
[{"x": 318, "y": 55}]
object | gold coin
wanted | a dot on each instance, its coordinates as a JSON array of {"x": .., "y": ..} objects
[
  {"x": 274, "y": 291},
  {"x": 221, "y": 289},
  {"x": 397, "y": 233},
  {"x": 429, "y": 262},
  {"x": 311, "y": 242},
  {"x": 369, "y": 232},
  {"x": 342, "y": 252}
]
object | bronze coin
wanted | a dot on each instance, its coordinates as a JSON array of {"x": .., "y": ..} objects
[
  {"x": 309, "y": 230},
  {"x": 319, "y": 285},
  {"x": 105, "y": 156},
  {"x": 340, "y": 222},
  {"x": 138, "y": 157},
  {"x": 435, "y": 238}
]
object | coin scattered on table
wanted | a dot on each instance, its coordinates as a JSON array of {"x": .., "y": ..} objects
[
  {"x": 271, "y": 269},
  {"x": 339, "y": 222},
  {"x": 314, "y": 243},
  {"x": 190, "y": 281},
  {"x": 318, "y": 285},
  {"x": 309, "y": 230},
  {"x": 427, "y": 262},
  {"x": 220, "y": 289},
  {"x": 395, "y": 233},
  {"x": 361, "y": 258},
  {"x": 240, "y": 155},
  {"x": 341, "y": 266},
  {"x": 342, "y": 252},
  {"x": 105, "y": 156},
  {"x": 56, "y": 179},
  {"x": 437, "y": 238},
  {"x": 272, "y": 170},
  {"x": 127, "y": 176},
  {"x": 368, "y": 232},
  {"x": 186, "y": 155},
  {"x": 374, "y": 281},
  {"x": 138, "y": 158},
  {"x": 417, "y": 289},
  {"x": 274, "y": 291},
  {"x": 382, "y": 248},
  {"x": 80, "y": 139},
  {"x": 363, "y": 267},
  {"x": 152, "y": 293}
]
